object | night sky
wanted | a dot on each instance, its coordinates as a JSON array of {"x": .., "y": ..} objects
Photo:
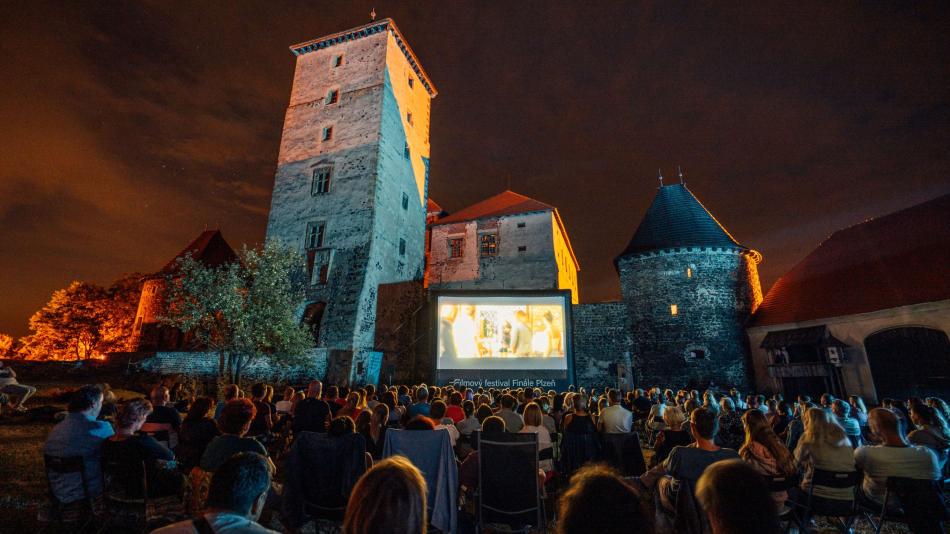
[{"x": 126, "y": 128}]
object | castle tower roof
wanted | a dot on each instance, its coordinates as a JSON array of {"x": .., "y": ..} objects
[
  {"x": 209, "y": 248},
  {"x": 677, "y": 219}
]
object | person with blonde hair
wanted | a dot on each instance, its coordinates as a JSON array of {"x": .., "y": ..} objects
[
  {"x": 674, "y": 435},
  {"x": 354, "y": 405},
  {"x": 824, "y": 445},
  {"x": 389, "y": 498},
  {"x": 534, "y": 424},
  {"x": 765, "y": 452}
]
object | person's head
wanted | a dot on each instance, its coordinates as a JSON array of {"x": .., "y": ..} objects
[
  {"x": 202, "y": 407},
  {"x": 821, "y": 429},
  {"x": 885, "y": 425},
  {"x": 236, "y": 416},
  {"x": 333, "y": 392},
  {"x": 826, "y": 400},
  {"x": 703, "y": 424},
  {"x": 132, "y": 414},
  {"x": 289, "y": 393},
  {"x": 727, "y": 405},
  {"x": 736, "y": 499},
  {"x": 580, "y": 402},
  {"x": 86, "y": 400},
  {"x": 232, "y": 391},
  {"x": 258, "y": 391},
  {"x": 841, "y": 408},
  {"x": 614, "y": 396},
  {"x": 369, "y": 391},
  {"x": 354, "y": 400},
  {"x": 532, "y": 415},
  {"x": 674, "y": 417},
  {"x": 690, "y": 405},
  {"x": 422, "y": 394},
  {"x": 341, "y": 426},
  {"x": 468, "y": 408},
  {"x": 598, "y": 501},
  {"x": 437, "y": 410},
  {"x": 925, "y": 415},
  {"x": 857, "y": 404},
  {"x": 759, "y": 431},
  {"x": 420, "y": 422},
  {"x": 390, "y": 498},
  {"x": 380, "y": 415},
  {"x": 507, "y": 402},
  {"x": 784, "y": 408},
  {"x": 160, "y": 395},
  {"x": 455, "y": 399},
  {"x": 240, "y": 485},
  {"x": 493, "y": 424},
  {"x": 484, "y": 411}
]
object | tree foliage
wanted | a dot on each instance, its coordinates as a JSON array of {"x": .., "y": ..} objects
[
  {"x": 83, "y": 321},
  {"x": 244, "y": 311},
  {"x": 6, "y": 345}
]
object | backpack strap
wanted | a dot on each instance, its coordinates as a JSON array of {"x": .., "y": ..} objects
[{"x": 201, "y": 525}]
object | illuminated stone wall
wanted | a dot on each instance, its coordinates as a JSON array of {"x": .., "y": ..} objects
[
  {"x": 205, "y": 365},
  {"x": 601, "y": 339},
  {"x": 714, "y": 291}
]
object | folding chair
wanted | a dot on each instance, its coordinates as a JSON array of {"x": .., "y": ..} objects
[
  {"x": 320, "y": 474},
  {"x": 921, "y": 506},
  {"x": 784, "y": 483},
  {"x": 577, "y": 450},
  {"x": 509, "y": 491},
  {"x": 844, "y": 511},
  {"x": 66, "y": 466},
  {"x": 161, "y": 436},
  {"x": 123, "y": 507},
  {"x": 622, "y": 451},
  {"x": 690, "y": 517}
]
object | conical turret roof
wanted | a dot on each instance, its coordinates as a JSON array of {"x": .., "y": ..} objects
[{"x": 677, "y": 219}]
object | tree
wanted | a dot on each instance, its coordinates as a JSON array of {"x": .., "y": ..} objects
[
  {"x": 6, "y": 345},
  {"x": 244, "y": 311}
]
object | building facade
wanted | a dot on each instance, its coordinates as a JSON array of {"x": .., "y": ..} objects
[
  {"x": 866, "y": 313},
  {"x": 508, "y": 241},
  {"x": 351, "y": 186},
  {"x": 689, "y": 288}
]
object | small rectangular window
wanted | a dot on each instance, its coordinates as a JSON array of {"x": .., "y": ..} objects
[
  {"x": 521, "y": 225},
  {"x": 402, "y": 247},
  {"x": 321, "y": 181},
  {"x": 333, "y": 96},
  {"x": 522, "y": 248},
  {"x": 455, "y": 247},
  {"x": 338, "y": 61},
  {"x": 328, "y": 133},
  {"x": 488, "y": 244},
  {"x": 318, "y": 265},
  {"x": 405, "y": 151},
  {"x": 674, "y": 309},
  {"x": 315, "y": 234},
  {"x": 405, "y": 201},
  {"x": 411, "y": 82},
  {"x": 689, "y": 272},
  {"x": 409, "y": 117}
]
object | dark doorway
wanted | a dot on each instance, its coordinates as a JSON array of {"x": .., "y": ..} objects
[
  {"x": 909, "y": 362},
  {"x": 813, "y": 386},
  {"x": 312, "y": 318}
]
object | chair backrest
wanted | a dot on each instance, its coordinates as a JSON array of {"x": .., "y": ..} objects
[
  {"x": 577, "y": 450},
  {"x": 782, "y": 482},
  {"x": 835, "y": 479},
  {"x": 690, "y": 517},
  {"x": 509, "y": 489},
  {"x": 922, "y": 502},
  {"x": 622, "y": 451},
  {"x": 65, "y": 465},
  {"x": 332, "y": 466},
  {"x": 431, "y": 452}
]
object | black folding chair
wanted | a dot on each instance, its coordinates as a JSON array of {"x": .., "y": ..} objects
[
  {"x": 689, "y": 517},
  {"x": 126, "y": 501},
  {"x": 921, "y": 506},
  {"x": 577, "y": 450},
  {"x": 161, "y": 436},
  {"x": 66, "y": 466},
  {"x": 623, "y": 452},
  {"x": 509, "y": 491},
  {"x": 844, "y": 511},
  {"x": 784, "y": 483}
]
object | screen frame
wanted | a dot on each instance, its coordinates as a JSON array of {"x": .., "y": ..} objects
[{"x": 564, "y": 294}]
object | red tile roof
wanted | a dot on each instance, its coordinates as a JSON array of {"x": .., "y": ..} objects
[
  {"x": 506, "y": 203},
  {"x": 433, "y": 206},
  {"x": 209, "y": 248},
  {"x": 895, "y": 260}
]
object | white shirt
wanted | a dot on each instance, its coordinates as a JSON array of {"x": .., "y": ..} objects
[
  {"x": 617, "y": 419},
  {"x": 879, "y": 462},
  {"x": 221, "y": 523},
  {"x": 283, "y": 406},
  {"x": 544, "y": 442},
  {"x": 453, "y": 432}
]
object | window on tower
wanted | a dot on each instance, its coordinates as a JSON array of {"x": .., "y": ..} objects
[
  {"x": 333, "y": 96},
  {"x": 409, "y": 117},
  {"x": 411, "y": 82},
  {"x": 522, "y": 248},
  {"x": 689, "y": 272},
  {"x": 315, "y": 234},
  {"x": 405, "y": 151},
  {"x": 488, "y": 244},
  {"x": 338, "y": 61},
  {"x": 318, "y": 265},
  {"x": 328, "y": 133},
  {"x": 321, "y": 181},
  {"x": 405, "y": 201},
  {"x": 674, "y": 309},
  {"x": 402, "y": 247}
]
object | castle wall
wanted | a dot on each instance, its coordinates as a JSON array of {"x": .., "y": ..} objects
[
  {"x": 714, "y": 291},
  {"x": 601, "y": 339},
  {"x": 205, "y": 364}
]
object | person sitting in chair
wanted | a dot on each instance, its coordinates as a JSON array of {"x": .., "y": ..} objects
[
  {"x": 10, "y": 386},
  {"x": 125, "y": 454}
]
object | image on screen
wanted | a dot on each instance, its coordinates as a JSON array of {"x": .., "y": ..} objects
[{"x": 506, "y": 332}]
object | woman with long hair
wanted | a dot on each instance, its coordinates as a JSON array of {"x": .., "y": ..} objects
[
  {"x": 824, "y": 445},
  {"x": 354, "y": 405},
  {"x": 765, "y": 452},
  {"x": 197, "y": 431},
  {"x": 858, "y": 410},
  {"x": 372, "y": 426},
  {"x": 932, "y": 431},
  {"x": 390, "y": 497},
  {"x": 940, "y": 405}
]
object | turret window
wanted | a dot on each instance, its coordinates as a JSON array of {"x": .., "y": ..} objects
[
  {"x": 333, "y": 96},
  {"x": 402, "y": 247},
  {"x": 338, "y": 61},
  {"x": 689, "y": 272},
  {"x": 674, "y": 310},
  {"x": 321, "y": 181},
  {"x": 405, "y": 201},
  {"x": 327, "y": 133}
]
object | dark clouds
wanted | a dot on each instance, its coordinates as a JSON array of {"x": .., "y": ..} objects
[{"x": 125, "y": 128}]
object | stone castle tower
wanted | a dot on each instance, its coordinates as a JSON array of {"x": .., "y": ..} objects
[
  {"x": 351, "y": 188},
  {"x": 689, "y": 288}
]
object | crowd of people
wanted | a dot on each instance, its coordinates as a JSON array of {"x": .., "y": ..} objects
[{"x": 225, "y": 458}]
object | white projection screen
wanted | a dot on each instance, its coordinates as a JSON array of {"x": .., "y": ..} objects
[{"x": 503, "y": 339}]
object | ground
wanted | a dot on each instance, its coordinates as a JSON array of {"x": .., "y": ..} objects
[{"x": 21, "y": 462}]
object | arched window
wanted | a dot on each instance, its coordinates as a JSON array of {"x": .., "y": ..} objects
[
  {"x": 909, "y": 362},
  {"x": 312, "y": 318}
]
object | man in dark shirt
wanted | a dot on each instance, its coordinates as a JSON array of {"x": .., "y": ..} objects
[
  {"x": 641, "y": 404},
  {"x": 312, "y": 414},
  {"x": 262, "y": 423},
  {"x": 333, "y": 399},
  {"x": 163, "y": 418}
]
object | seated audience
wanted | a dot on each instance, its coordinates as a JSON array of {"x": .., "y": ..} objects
[
  {"x": 615, "y": 419},
  {"x": 125, "y": 453},
  {"x": 686, "y": 463},
  {"x": 235, "y": 499},
  {"x": 858, "y": 410},
  {"x": 262, "y": 423},
  {"x": 10, "y": 386},
  {"x": 79, "y": 434},
  {"x": 579, "y": 421},
  {"x": 231, "y": 392},
  {"x": 353, "y": 407},
  {"x": 164, "y": 418},
  {"x": 312, "y": 414},
  {"x": 470, "y": 422},
  {"x": 437, "y": 414},
  {"x": 421, "y": 407},
  {"x": 389, "y": 498},
  {"x": 674, "y": 435},
  {"x": 286, "y": 405},
  {"x": 730, "y": 433},
  {"x": 823, "y": 445},
  {"x": 197, "y": 431},
  {"x": 893, "y": 457},
  {"x": 513, "y": 421},
  {"x": 468, "y": 471},
  {"x": 599, "y": 502},
  {"x": 782, "y": 418},
  {"x": 233, "y": 423},
  {"x": 454, "y": 410},
  {"x": 931, "y": 431},
  {"x": 533, "y": 424},
  {"x": 733, "y": 495},
  {"x": 765, "y": 453},
  {"x": 852, "y": 429},
  {"x": 372, "y": 426}
]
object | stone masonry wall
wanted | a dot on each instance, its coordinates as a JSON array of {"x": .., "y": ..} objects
[
  {"x": 714, "y": 291},
  {"x": 600, "y": 339},
  {"x": 205, "y": 364}
]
